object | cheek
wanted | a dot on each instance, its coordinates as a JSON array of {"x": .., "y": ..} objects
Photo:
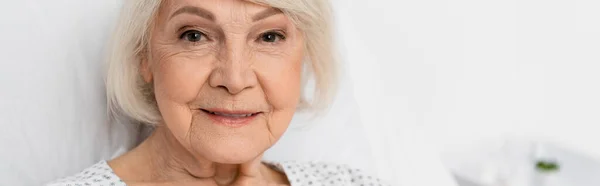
[
  {"x": 177, "y": 82},
  {"x": 279, "y": 72},
  {"x": 282, "y": 87},
  {"x": 179, "y": 79},
  {"x": 280, "y": 78}
]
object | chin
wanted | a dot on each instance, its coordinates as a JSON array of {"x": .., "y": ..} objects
[
  {"x": 229, "y": 151},
  {"x": 230, "y": 146}
]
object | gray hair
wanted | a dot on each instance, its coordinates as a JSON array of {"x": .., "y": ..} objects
[{"x": 128, "y": 94}]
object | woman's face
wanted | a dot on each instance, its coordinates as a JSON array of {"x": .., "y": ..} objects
[{"x": 226, "y": 75}]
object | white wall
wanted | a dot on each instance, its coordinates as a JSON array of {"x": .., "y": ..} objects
[{"x": 464, "y": 70}]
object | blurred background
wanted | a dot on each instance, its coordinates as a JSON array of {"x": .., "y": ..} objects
[{"x": 483, "y": 79}]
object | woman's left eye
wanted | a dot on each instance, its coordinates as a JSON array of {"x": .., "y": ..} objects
[
  {"x": 193, "y": 36},
  {"x": 271, "y": 37}
]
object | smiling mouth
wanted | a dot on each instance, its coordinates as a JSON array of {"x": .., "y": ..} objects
[
  {"x": 242, "y": 114},
  {"x": 231, "y": 118}
]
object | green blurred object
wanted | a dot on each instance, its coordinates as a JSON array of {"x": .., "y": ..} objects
[{"x": 547, "y": 166}]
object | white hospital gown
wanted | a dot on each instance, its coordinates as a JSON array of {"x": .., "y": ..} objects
[{"x": 299, "y": 174}]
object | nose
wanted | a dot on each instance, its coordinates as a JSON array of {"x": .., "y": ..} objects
[{"x": 233, "y": 72}]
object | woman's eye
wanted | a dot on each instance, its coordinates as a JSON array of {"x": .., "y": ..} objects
[
  {"x": 193, "y": 36},
  {"x": 271, "y": 37}
]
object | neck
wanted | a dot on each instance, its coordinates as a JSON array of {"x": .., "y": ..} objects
[{"x": 161, "y": 158}]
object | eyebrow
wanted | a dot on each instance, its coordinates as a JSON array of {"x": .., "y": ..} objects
[
  {"x": 208, "y": 15},
  {"x": 196, "y": 11},
  {"x": 266, "y": 13}
]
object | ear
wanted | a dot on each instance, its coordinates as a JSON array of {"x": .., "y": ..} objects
[{"x": 145, "y": 70}]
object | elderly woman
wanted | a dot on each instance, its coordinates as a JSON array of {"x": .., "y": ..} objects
[{"x": 219, "y": 82}]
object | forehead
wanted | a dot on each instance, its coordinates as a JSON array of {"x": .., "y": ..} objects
[{"x": 217, "y": 8}]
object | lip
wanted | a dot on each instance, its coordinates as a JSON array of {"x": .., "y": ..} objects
[{"x": 237, "y": 118}]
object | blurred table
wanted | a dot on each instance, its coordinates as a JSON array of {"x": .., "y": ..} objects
[{"x": 512, "y": 163}]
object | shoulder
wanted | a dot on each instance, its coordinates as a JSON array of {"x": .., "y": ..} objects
[
  {"x": 318, "y": 173},
  {"x": 100, "y": 174}
]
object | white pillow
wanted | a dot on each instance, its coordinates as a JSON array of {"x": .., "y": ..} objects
[{"x": 52, "y": 103}]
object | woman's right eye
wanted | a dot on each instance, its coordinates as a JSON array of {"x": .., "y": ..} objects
[{"x": 193, "y": 36}]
